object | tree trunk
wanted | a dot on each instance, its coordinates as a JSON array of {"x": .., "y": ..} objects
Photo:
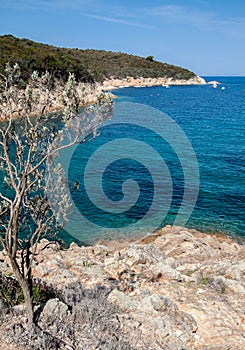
[
  {"x": 26, "y": 286},
  {"x": 27, "y": 291}
]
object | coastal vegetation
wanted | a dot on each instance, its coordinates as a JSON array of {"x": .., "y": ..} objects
[
  {"x": 150, "y": 58},
  {"x": 29, "y": 143},
  {"x": 86, "y": 65}
]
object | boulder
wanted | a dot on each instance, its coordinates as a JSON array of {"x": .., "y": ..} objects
[{"x": 54, "y": 308}]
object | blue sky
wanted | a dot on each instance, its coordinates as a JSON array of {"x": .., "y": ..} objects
[{"x": 206, "y": 36}]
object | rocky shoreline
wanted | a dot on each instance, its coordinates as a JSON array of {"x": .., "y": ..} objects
[
  {"x": 111, "y": 84},
  {"x": 175, "y": 289},
  {"x": 88, "y": 93},
  {"x": 53, "y": 100}
]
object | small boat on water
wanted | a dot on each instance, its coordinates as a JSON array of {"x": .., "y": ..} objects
[{"x": 213, "y": 83}]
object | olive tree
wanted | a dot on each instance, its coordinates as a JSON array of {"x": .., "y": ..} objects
[{"x": 30, "y": 139}]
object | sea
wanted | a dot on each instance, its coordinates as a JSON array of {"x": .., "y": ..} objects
[{"x": 169, "y": 156}]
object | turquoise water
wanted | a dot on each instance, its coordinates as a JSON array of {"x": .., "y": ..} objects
[{"x": 214, "y": 122}]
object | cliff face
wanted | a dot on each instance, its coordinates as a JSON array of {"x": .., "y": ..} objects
[
  {"x": 177, "y": 289},
  {"x": 51, "y": 99}
]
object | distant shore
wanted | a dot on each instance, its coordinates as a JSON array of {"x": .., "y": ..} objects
[{"x": 111, "y": 84}]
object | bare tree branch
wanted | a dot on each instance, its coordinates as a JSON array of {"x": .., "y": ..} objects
[{"x": 29, "y": 142}]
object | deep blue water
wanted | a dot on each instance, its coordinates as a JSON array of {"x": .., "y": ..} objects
[{"x": 213, "y": 120}]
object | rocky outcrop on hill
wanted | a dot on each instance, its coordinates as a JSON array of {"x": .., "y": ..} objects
[{"x": 175, "y": 289}]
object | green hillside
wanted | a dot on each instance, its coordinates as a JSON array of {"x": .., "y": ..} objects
[{"x": 87, "y": 65}]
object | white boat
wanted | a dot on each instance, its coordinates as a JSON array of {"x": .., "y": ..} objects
[
  {"x": 214, "y": 83},
  {"x": 223, "y": 88}
]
